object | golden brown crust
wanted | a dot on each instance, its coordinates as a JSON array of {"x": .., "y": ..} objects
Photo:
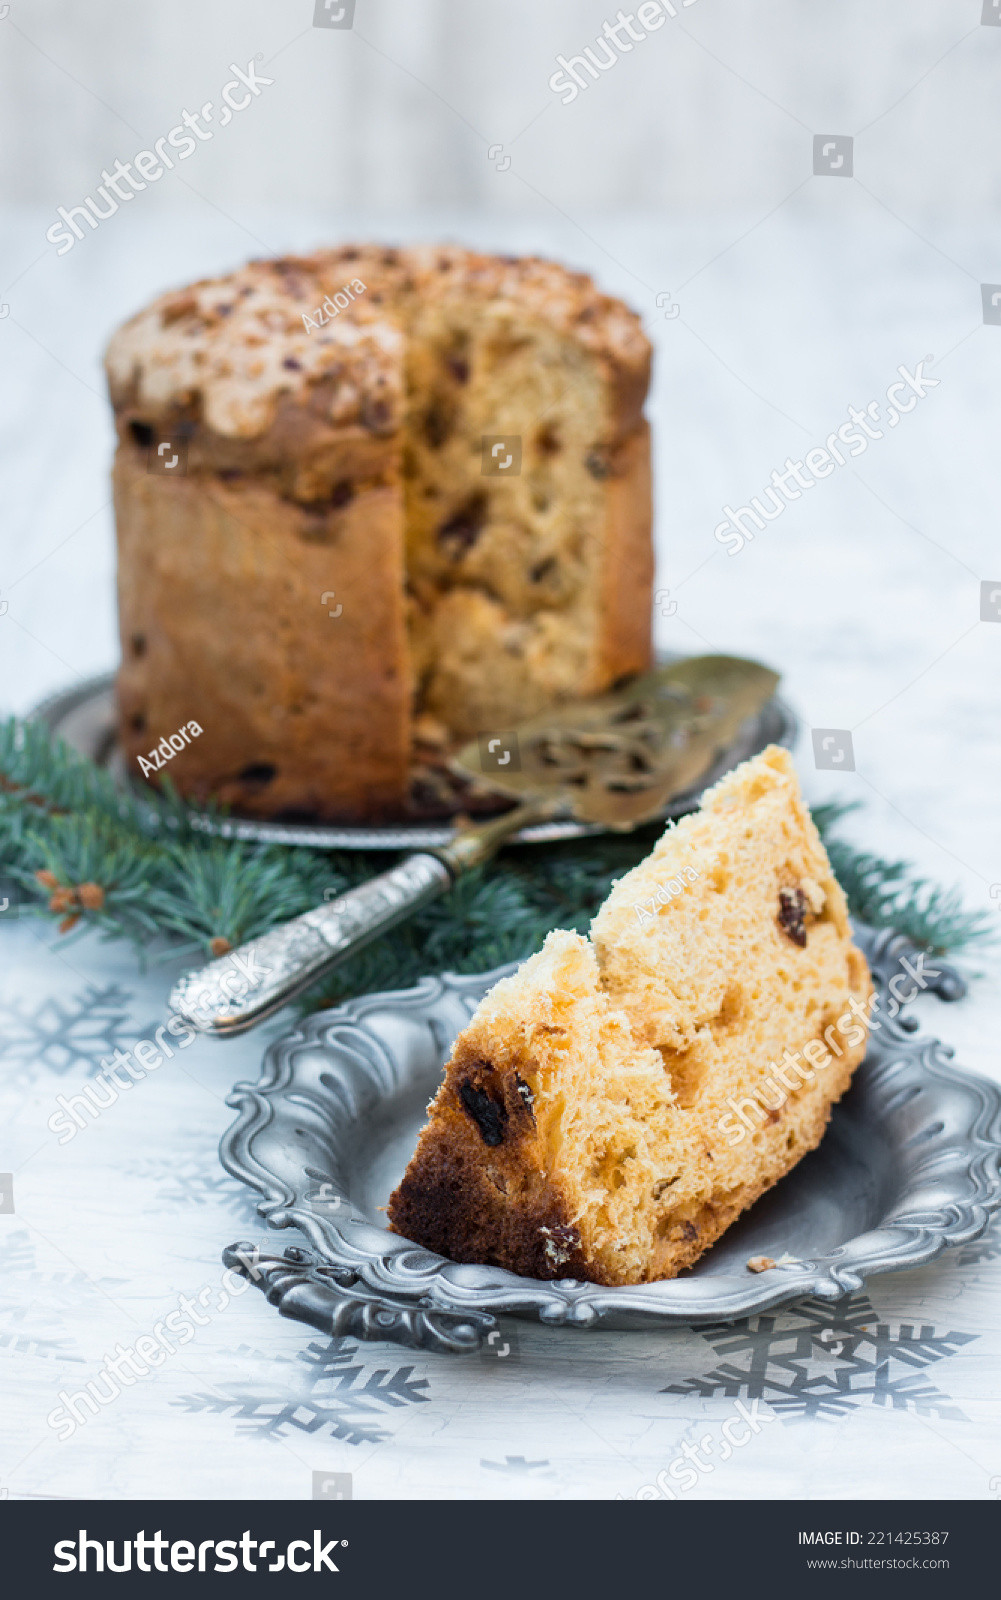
[
  {"x": 626, "y": 580},
  {"x": 476, "y": 1189},
  {"x": 223, "y": 622},
  {"x": 228, "y": 352}
]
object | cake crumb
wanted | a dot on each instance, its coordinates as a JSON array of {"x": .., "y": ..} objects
[{"x": 760, "y": 1264}]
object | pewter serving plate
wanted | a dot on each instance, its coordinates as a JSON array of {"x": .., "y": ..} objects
[
  {"x": 910, "y": 1165},
  {"x": 85, "y": 718}
]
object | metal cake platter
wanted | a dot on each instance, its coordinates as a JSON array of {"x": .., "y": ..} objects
[
  {"x": 910, "y": 1166},
  {"x": 85, "y": 718}
]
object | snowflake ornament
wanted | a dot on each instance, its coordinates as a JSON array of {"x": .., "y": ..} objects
[
  {"x": 330, "y": 1397},
  {"x": 819, "y": 1360},
  {"x": 63, "y": 1036}
]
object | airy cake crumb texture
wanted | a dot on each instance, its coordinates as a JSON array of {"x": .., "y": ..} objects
[{"x": 610, "y": 1068}]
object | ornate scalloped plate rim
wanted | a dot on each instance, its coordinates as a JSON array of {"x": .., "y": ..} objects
[
  {"x": 388, "y": 1264},
  {"x": 775, "y": 724}
]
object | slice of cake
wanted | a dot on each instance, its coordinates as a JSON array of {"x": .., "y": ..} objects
[
  {"x": 370, "y": 504},
  {"x": 614, "y": 1105}
]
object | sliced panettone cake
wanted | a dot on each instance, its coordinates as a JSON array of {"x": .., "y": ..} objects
[
  {"x": 617, "y": 1102},
  {"x": 441, "y": 451}
]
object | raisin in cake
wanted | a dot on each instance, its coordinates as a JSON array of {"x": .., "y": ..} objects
[
  {"x": 340, "y": 579},
  {"x": 615, "y": 1104}
]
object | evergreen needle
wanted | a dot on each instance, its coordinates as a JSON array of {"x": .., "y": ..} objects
[{"x": 78, "y": 849}]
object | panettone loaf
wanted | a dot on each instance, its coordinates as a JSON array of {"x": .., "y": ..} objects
[
  {"x": 614, "y": 1105},
  {"x": 340, "y": 576}
]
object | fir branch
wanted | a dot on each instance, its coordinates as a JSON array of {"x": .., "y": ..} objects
[
  {"x": 142, "y": 867},
  {"x": 219, "y": 893},
  {"x": 64, "y": 856},
  {"x": 887, "y": 895}
]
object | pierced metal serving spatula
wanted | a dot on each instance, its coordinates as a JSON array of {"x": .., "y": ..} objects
[{"x": 615, "y": 761}]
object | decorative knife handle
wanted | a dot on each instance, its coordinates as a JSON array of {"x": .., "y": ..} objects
[{"x": 241, "y": 989}]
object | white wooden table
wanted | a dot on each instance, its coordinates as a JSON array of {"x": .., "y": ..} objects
[{"x": 865, "y": 594}]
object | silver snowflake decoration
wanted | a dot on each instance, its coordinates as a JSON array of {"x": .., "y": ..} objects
[
  {"x": 819, "y": 1360},
  {"x": 333, "y": 1395},
  {"x": 65, "y": 1035}
]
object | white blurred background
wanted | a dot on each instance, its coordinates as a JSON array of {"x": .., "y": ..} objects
[
  {"x": 685, "y": 172},
  {"x": 709, "y": 114}
]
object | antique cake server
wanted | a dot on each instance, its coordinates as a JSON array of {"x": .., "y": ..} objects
[{"x": 614, "y": 761}]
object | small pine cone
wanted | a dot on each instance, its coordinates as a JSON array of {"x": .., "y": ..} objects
[
  {"x": 47, "y": 879},
  {"x": 90, "y": 896},
  {"x": 220, "y": 946},
  {"x": 69, "y": 922},
  {"x": 63, "y": 900}
]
